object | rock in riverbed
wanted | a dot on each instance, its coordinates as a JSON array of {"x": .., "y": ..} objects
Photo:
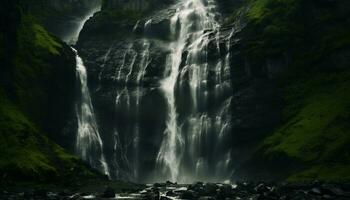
[{"x": 201, "y": 191}]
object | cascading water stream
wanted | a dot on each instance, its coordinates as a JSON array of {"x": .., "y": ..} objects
[
  {"x": 168, "y": 121},
  {"x": 182, "y": 155},
  {"x": 188, "y": 27},
  {"x": 88, "y": 142},
  {"x": 89, "y": 145}
]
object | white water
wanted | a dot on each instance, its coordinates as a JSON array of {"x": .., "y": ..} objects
[
  {"x": 88, "y": 142},
  {"x": 191, "y": 26},
  {"x": 188, "y": 24},
  {"x": 128, "y": 77},
  {"x": 89, "y": 145},
  {"x": 181, "y": 156}
]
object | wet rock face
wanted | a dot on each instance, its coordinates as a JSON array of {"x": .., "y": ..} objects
[
  {"x": 126, "y": 63},
  {"x": 256, "y": 99},
  {"x": 124, "y": 72},
  {"x": 136, "y": 5},
  {"x": 61, "y": 17}
]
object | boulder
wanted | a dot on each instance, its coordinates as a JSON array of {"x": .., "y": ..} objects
[{"x": 109, "y": 193}]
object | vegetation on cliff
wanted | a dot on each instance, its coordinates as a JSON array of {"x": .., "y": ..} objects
[
  {"x": 312, "y": 37},
  {"x": 37, "y": 68}
]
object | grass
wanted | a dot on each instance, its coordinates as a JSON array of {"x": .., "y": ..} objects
[
  {"x": 316, "y": 127},
  {"x": 27, "y": 152},
  {"x": 35, "y": 48},
  {"x": 19, "y": 143},
  {"x": 30, "y": 34},
  {"x": 262, "y": 9},
  {"x": 258, "y": 9},
  {"x": 44, "y": 41}
]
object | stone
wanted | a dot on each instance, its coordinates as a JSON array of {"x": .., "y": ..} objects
[
  {"x": 188, "y": 194},
  {"x": 165, "y": 198},
  {"x": 210, "y": 189},
  {"x": 315, "y": 191},
  {"x": 170, "y": 193},
  {"x": 109, "y": 193},
  {"x": 169, "y": 183}
]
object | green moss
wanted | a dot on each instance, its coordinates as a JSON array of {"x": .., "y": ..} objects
[
  {"x": 262, "y": 9},
  {"x": 44, "y": 40},
  {"x": 32, "y": 35},
  {"x": 274, "y": 26},
  {"x": 35, "y": 49},
  {"x": 27, "y": 152},
  {"x": 316, "y": 129},
  {"x": 258, "y": 9},
  {"x": 19, "y": 142}
]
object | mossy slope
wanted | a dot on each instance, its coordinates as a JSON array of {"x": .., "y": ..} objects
[
  {"x": 36, "y": 70},
  {"x": 316, "y": 130},
  {"x": 313, "y": 37},
  {"x": 27, "y": 153}
]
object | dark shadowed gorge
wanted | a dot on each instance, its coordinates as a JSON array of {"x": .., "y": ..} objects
[{"x": 175, "y": 99}]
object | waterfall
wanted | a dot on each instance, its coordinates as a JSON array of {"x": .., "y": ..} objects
[
  {"x": 89, "y": 145},
  {"x": 171, "y": 99},
  {"x": 182, "y": 155}
]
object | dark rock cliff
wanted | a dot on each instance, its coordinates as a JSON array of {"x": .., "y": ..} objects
[
  {"x": 137, "y": 5},
  {"x": 109, "y": 42},
  {"x": 61, "y": 17},
  {"x": 281, "y": 53}
]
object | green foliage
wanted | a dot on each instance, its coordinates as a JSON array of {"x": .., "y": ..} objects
[
  {"x": 266, "y": 9},
  {"x": 274, "y": 26},
  {"x": 307, "y": 29},
  {"x": 19, "y": 143},
  {"x": 316, "y": 129},
  {"x": 27, "y": 152},
  {"x": 35, "y": 36},
  {"x": 32, "y": 66},
  {"x": 44, "y": 41}
]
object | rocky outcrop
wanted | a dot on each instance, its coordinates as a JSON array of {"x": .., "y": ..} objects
[
  {"x": 37, "y": 91},
  {"x": 116, "y": 49},
  {"x": 134, "y": 5},
  {"x": 124, "y": 70},
  {"x": 61, "y": 17}
]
